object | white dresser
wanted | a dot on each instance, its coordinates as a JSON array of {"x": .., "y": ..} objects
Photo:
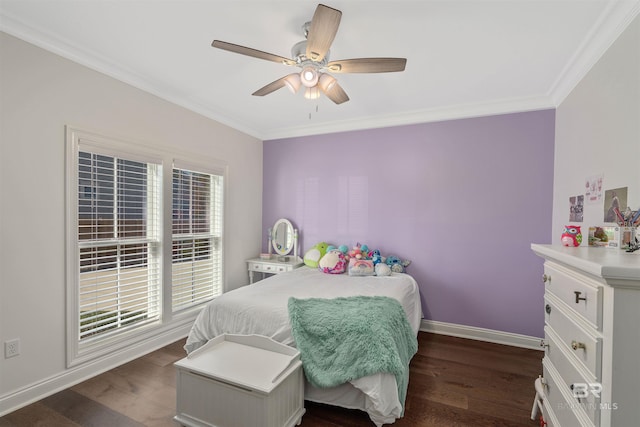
[{"x": 591, "y": 366}]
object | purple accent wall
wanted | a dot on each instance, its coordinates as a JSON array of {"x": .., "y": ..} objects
[{"x": 462, "y": 199}]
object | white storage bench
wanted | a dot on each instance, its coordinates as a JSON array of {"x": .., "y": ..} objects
[{"x": 240, "y": 381}]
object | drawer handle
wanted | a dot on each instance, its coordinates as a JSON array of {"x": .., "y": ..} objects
[
  {"x": 578, "y": 392},
  {"x": 547, "y": 308},
  {"x": 546, "y": 278},
  {"x": 578, "y": 297},
  {"x": 544, "y": 344},
  {"x": 576, "y": 345}
]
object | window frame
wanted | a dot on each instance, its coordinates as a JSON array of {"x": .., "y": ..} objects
[{"x": 81, "y": 140}]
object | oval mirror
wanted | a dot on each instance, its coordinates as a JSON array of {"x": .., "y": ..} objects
[{"x": 282, "y": 237}]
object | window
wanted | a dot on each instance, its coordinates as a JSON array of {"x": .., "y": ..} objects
[
  {"x": 143, "y": 248},
  {"x": 196, "y": 237},
  {"x": 118, "y": 242}
]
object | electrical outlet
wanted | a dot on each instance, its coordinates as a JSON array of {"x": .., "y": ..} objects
[{"x": 11, "y": 348}]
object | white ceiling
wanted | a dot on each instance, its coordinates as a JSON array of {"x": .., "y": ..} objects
[{"x": 464, "y": 58}]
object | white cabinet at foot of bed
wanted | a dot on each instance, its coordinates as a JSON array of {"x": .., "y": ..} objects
[
  {"x": 592, "y": 337},
  {"x": 240, "y": 380}
]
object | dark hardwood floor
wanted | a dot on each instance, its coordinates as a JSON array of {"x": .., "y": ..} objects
[{"x": 453, "y": 382}]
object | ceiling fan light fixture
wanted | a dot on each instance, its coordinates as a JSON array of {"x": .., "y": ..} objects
[
  {"x": 326, "y": 81},
  {"x": 309, "y": 76},
  {"x": 312, "y": 93},
  {"x": 312, "y": 57},
  {"x": 293, "y": 82}
]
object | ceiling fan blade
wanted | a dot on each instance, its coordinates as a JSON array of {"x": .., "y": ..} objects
[
  {"x": 271, "y": 87},
  {"x": 367, "y": 65},
  {"x": 322, "y": 31},
  {"x": 336, "y": 93},
  {"x": 235, "y": 48}
]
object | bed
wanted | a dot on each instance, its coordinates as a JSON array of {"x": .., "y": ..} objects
[{"x": 262, "y": 308}]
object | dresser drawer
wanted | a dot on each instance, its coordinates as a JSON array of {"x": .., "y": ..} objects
[
  {"x": 558, "y": 400},
  {"x": 272, "y": 266},
  {"x": 583, "y": 347},
  {"x": 579, "y": 386},
  {"x": 578, "y": 292},
  {"x": 267, "y": 268}
]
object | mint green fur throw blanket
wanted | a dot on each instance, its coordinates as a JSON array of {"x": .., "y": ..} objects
[{"x": 347, "y": 338}]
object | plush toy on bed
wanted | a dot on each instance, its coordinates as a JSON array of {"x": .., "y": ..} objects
[
  {"x": 333, "y": 262},
  {"x": 359, "y": 252},
  {"x": 375, "y": 256},
  {"x": 397, "y": 265},
  {"x": 313, "y": 255},
  {"x": 360, "y": 267},
  {"x": 382, "y": 269}
]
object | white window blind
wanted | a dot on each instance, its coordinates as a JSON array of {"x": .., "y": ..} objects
[
  {"x": 196, "y": 237},
  {"x": 118, "y": 244},
  {"x": 134, "y": 273}
]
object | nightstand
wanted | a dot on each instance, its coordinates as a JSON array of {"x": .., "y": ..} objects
[{"x": 275, "y": 265}]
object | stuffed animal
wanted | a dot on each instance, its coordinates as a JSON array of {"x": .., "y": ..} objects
[
  {"x": 313, "y": 255},
  {"x": 359, "y": 252},
  {"x": 375, "y": 256},
  {"x": 382, "y": 269},
  {"x": 397, "y": 265},
  {"x": 571, "y": 236},
  {"x": 355, "y": 253},
  {"x": 333, "y": 262},
  {"x": 361, "y": 267}
]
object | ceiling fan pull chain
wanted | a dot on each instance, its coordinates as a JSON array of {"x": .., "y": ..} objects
[{"x": 316, "y": 111}]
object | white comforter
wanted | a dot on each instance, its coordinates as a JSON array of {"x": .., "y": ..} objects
[{"x": 261, "y": 309}]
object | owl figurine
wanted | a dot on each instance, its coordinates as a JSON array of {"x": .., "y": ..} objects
[{"x": 571, "y": 235}]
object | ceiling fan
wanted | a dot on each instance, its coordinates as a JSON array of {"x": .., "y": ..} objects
[{"x": 312, "y": 56}]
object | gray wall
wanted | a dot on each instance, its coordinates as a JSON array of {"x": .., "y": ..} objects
[
  {"x": 598, "y": 132},
  {"x": 41, "y": 93}
]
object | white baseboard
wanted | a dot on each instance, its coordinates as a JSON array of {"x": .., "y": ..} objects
[
  {"x": 46, "y": 387},
  {"x": 72, "y": 376},
  {"x": 480, "y": 334}
]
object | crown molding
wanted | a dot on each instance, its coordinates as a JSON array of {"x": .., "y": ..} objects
[
  {"x": 616, "y": 18},
  {"x": 71, "y": 51},
  {"x": 506, "y": 106}
]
